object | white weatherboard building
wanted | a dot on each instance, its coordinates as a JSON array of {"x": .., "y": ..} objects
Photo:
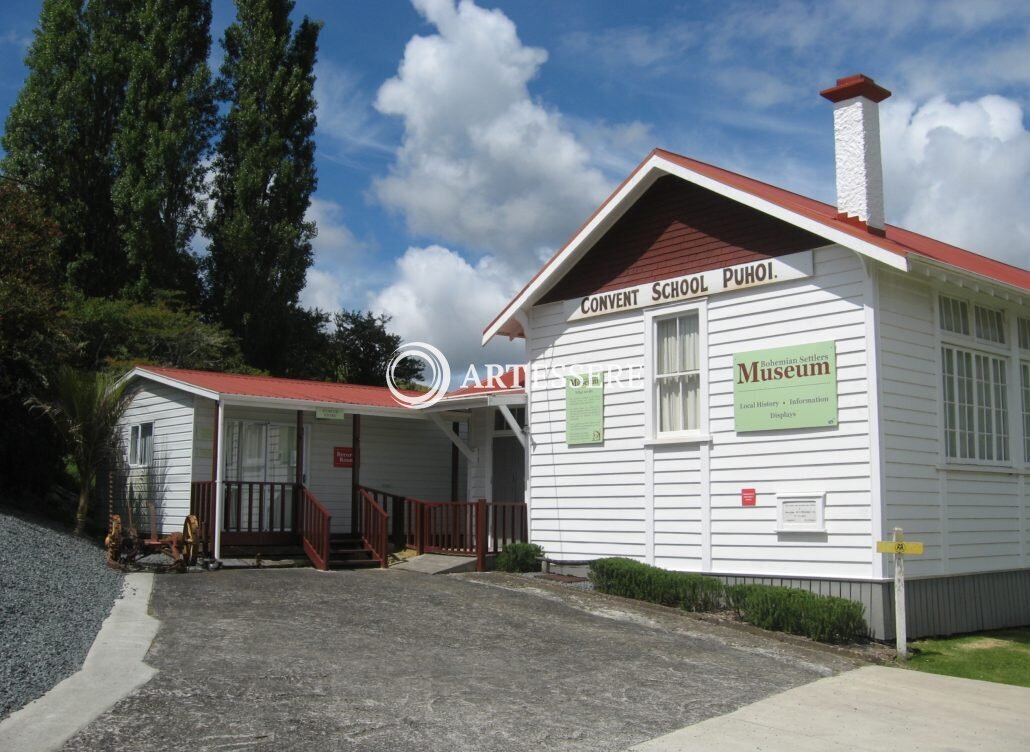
[{"x": 784, "y": 383}]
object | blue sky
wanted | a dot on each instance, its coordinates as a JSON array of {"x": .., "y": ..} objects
[{"x": 460, "y": 144}]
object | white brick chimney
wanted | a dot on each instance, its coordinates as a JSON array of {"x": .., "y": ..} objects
[{"x": 856, "y": 130}]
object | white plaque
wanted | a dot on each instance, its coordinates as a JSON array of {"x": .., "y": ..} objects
[{"x": 801, "y": 512}]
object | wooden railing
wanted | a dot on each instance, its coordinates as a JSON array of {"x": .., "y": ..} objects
[
  {"x": 393, "y": 505},
  {"x": 466, "y": 528},
  {"x": 202, "y": 504},
  {"x": 314, "y": 524},
  {"x": 374, "y": 526},
  {"x": 262, "y": 511}
]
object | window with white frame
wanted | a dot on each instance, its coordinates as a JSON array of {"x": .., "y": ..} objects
[
  {"x": 975, "y": 381},
  {"x": 1023, "y": 329},
  {"x": 141, "y": 444},
  {"x": 677, "y": 373}
]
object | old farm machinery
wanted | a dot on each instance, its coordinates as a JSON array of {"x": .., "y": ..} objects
[{"x": 128, "y": 549}]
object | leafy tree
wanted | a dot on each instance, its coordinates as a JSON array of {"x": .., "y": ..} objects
[
  {"x": 264, "y": 174},
  {"x": 116, "y": 334},
  {"x": 164, "y": 130},
  {"x": 85, "y": 408},
  {"x": 33, "y": 335},
  {"x": 59, "y": 133},
  {"x": 360, "y": 349}
]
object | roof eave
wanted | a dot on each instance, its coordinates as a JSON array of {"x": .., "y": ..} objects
[{"x": 643, "y": 177}]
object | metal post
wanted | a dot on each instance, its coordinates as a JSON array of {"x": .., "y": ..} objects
[
  {"x": 219, "y": 472},
  {"x": 899, "y": 596}
]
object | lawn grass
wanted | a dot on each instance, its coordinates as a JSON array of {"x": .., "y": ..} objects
[{"x": 1002, "y": 656}]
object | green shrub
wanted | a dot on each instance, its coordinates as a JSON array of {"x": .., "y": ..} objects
[
  {"x": 632, "y": 579},
  {"x": 520, "y": 557},
  {"x": 821, "y": 617}
]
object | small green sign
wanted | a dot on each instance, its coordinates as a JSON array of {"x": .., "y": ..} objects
[
  {"x": 584, "y": 409},
  {"x": 786, "y": 387}
]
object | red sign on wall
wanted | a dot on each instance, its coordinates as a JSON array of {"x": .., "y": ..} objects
[
  {"x": 748, "y": 497},
  {"x": 343, "y": 457}
]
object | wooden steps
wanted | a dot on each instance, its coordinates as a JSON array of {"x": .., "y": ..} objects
[{"x": 346, "y": 551}]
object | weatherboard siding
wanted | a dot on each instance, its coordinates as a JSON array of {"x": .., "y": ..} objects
[
  {"x": 679, "y": 505},
  {"x": 586, "y": 501},
  {"x": 166, "y": 481},
  {"x": 971, "y": 519}
]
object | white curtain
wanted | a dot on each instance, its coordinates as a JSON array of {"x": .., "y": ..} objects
[{"x": 678, "y": 378}]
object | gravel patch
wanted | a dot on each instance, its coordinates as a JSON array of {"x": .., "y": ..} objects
[{"x": 55, "y": 592}]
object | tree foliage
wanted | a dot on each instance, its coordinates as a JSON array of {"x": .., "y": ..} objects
[
  {"x": 85, "y": 407},
  {"x": 360, "y": 347},
  {"x": 33, "y": 335},
  {"x": 116, "y": 334},
  {"x": 264, "y": 174},
  {"x": 59, "y": 133},
  {"x": 164, "y": 130}
]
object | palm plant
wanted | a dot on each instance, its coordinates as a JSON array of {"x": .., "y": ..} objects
[{"x": 85, "y": 407}]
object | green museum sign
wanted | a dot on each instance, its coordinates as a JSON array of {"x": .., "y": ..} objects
[
  {"x": 786, "y": 387},
  {"x": 584, "y": 409}
]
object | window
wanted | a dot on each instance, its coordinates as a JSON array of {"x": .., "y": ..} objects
[
  {"x": 975, "y": 382},
  {"x": 1024, "y": 383},
  {"x": 1025, "y": 390},
  {"x": 141, "y": 442},
  {"x": 677, "y": 380}
]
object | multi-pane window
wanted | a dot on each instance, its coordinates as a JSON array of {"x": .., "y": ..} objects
[
  {"x": 1023, "y": 336},
  {"x": 677, "y": 382},
  {"x": 1024, "y": 369},
  {"x": 954, "y": 315},
  {"x": 990, "y": 325},
  {"x": 975, "y": 383},
  {"x": 141, "y": 444}
]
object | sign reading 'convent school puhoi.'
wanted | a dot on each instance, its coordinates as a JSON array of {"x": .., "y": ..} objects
[
  {"x": 710, "y": 282},
  {"x": 786, "y": 387}
]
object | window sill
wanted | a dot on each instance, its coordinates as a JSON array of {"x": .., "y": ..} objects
[
  {"x": 692, "y": 438},
  {"x": 990, "y": 469}
]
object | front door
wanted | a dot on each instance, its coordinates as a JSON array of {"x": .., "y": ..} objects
[
  {"x": 262, "y": 459},
  {"x": 509, "y": 469}
]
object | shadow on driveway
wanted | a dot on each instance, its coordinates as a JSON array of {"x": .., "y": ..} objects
[{"x": 386, "y": 660}]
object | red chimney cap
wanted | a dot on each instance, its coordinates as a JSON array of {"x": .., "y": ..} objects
[{"x": 855, "y": 86}]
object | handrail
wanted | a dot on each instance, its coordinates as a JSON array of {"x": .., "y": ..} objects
[
  {"x": 469, "y": 528},
  {"x": 375, "y": 523},
  {"x": 393, "y": 505},
  {"x": 315, "y": 522}
]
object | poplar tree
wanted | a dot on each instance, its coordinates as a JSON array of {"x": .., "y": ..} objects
[
  {"x": 59, "y": 133},
  {"x": 264, "y": 175},
  {"x": 164, "y": 130}
]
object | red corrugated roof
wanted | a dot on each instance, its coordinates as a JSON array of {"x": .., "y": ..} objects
[
  {"x": 270, "y": 387},
  {"x": 904, "y": 243},
  {"x": 513, "y": 380}
]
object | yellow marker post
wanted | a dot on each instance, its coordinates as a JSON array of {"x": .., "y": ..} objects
[{"x": 900, "y": 548}]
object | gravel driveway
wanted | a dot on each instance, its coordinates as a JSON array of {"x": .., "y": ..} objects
[
  {"x": 387, "y": 660},
  {"x": 55, "y": 592}
]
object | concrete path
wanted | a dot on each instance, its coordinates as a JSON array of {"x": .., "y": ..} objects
[
  {"x": 113, "y": 669},
  {"x": 869, "y": 710},
  {"x": 437, "y": 564}
]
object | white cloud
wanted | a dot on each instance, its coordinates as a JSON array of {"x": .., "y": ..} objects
[
  {"x": 482, "y": 164},
  {"x": 660, "y": 49},
  {"x": 439, "y": 298},
  {"x": 960, "y": 173},
  {"x": 335, "y": 241},
  {"x": 332, "y": 282},
  {"x": 323, "y": 290},
  {"x": 344, "y": 110}
]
